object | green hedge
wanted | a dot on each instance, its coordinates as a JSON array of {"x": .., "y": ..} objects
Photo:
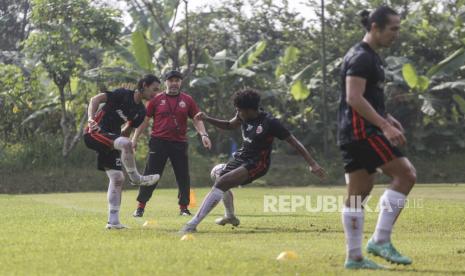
[{"x": 38, "y": 168}]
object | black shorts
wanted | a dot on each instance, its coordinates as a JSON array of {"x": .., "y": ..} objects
[
  {"x": 256, "y": 168},
  {"x": 107, "y": 157},
  {"x": 368, "y": 154}
]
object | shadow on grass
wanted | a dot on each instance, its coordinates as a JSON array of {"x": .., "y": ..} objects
[
  {"x": 422, "y": 271},
  {"x": 256, "y": 230}
]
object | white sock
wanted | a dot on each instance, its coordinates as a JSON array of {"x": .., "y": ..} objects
[
  {"x": 352, "y": 220},
  {"x": 210, "y": 201},
  {"x": 228, "y": 202},
  {"x": 115, "y": 188},
  {"x": 127, "y": 158},
  {"x": 391, "y": 204}
]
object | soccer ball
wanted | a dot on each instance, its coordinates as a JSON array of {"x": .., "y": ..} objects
[{"x": 215, "y": 172}]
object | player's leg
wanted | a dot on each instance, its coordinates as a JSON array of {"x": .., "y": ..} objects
[
  {"x": 179, "y": 159},
  {"x": 228, "y": 202},
  {"x": 156, "y": 161},
  {"x": 238, "y": 176},
  {"x": 228, "y": 197},
  {"x": 124, "y": 145},
  {"x": 229, "y": 215},
  {"x": 115, "y": 188},
  {"x": 360, "y": 162},
  {"x": 391, "y": 204},
  {"x": 359, "y": 185}
]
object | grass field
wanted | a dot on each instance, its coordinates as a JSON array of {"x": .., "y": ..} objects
[{"x": 63, "y": 234}]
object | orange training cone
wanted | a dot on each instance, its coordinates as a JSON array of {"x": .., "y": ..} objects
[{"x": 192, "y": 200}]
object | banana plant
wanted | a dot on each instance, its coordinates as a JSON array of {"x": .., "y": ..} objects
[{"x": 422, "y": 83}]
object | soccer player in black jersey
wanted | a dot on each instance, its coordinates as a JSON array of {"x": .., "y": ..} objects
[
  {"x": 252, "y": 161},
  {"x": 105, "y": 135},
  {"x": 369, "y": 138}
]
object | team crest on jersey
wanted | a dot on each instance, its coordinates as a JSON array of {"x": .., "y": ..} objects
[
  {"x": 249, "y": 127},
  {"x": 182, "y": 104},
  {"x": 163, "y": 102},
  {"x": 259, "y": 129}
]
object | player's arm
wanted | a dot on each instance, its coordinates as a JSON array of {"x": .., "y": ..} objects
[
  {"x": 139, "y": 130},
  {"x": 355, "y": 88},
  {"x": 223, "y": 124},
  {"x": 313, "y": 165},
  {"x": 200, "y": 127},
  {"x": 126, "y": 130},
  {"x": 94, "y": 104}
]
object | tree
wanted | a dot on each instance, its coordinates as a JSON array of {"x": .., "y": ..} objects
[
  {"x": 14, "y": 23},
  {"x": 64, "y": 32}
]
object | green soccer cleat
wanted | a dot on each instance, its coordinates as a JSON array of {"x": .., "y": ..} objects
[
  {"x": 365, "y": 263},
  {"x": 388, "y": 252}
]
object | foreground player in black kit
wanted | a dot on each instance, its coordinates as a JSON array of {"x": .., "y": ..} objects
[
  {"x": 368, "y": 138},
  {"x": 252, "y": 161},
  {"x": 104, "y": 135}
]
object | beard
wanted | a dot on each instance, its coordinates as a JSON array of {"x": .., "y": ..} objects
[{"x": 173, "y": 91}]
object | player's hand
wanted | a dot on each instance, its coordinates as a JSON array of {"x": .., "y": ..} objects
[
  {"x": 206, "y": 142},
  {"x": 395, "y": 123},
  {"x": 93, "y": 125},
  {"x": 200, "y": 116},
  {"x": 394, "y": 135},
  {"x": 134, "y": 144},
  {"x": 317, "y": 170},
  {"x": 126, "y": 132}
]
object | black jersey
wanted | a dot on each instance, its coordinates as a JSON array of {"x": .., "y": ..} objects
[
  {"x": 119, "y": 109},
  {"x": 258, "y": 135},
  {"x": 361, "y": 61}
]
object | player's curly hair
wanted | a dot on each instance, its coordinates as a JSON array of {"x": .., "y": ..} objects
[{"x": 247, "y": 98}]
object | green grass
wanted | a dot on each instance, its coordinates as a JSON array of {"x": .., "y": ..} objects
[{"x": 64, "y": 234}]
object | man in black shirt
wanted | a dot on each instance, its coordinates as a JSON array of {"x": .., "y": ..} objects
[
  {"x": 104, "y": 135},
  {"x": 368, "y": 138},
  {"x": 252, "y": 161}
]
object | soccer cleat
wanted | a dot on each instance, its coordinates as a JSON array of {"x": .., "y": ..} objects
[
  {"x": 188, "y": 228},
  {"x": 228, "y": 220},
  {"x": 365, "y": 263},
  {"x": 146, "y": 180},
  {"x": 118, "y": 226},
  {"x": 388, "y": 252},
  {"x": 138, "y": 213},
  {"x": 185, "y": 212}
]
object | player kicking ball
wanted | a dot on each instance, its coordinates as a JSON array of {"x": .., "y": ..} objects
[
  {"x": 105, "y": 136},
  {"x": 252, "y": 161}
]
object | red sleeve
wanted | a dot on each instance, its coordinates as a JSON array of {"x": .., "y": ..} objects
[
  {"x": 150, "y": 108},
  {"x": 193, "y": 108}
]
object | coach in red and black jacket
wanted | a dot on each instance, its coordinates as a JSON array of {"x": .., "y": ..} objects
[{"x": 169, "y": 111}]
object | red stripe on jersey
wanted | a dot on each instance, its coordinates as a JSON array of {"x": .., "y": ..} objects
[
  {"x": 386, "y": 147},
  {"x": 97, "y": 119},
  {"x": 99, "y": 116},
  {"x": 261, "y": 164},
  {"x": 102, "y": 139},
  {"x": 354, "y": 124},
  {"x": 377, "y": 149},
  {"x": 362, "y": 127}
]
